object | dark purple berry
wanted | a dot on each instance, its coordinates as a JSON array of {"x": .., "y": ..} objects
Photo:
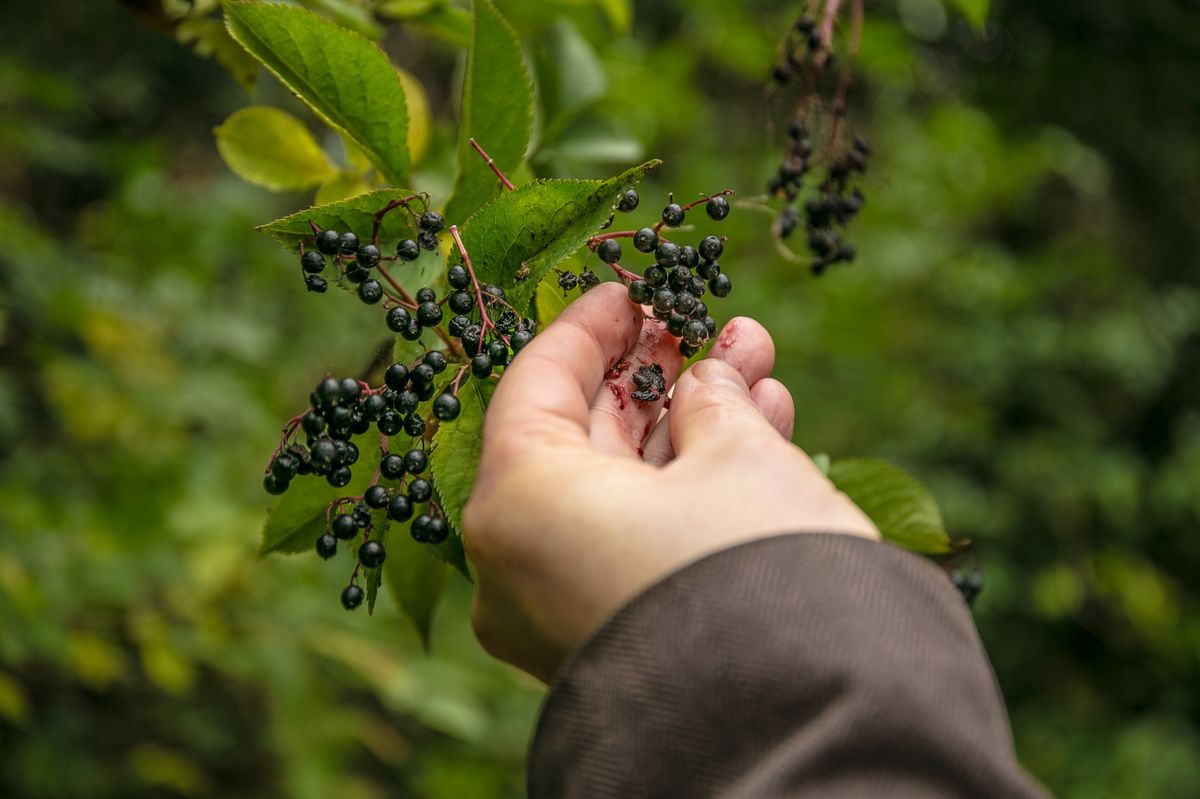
[
  {"x": 609, "y": 251},
  {"x": 711, "y": 248},
  {"x": 400, "y": 508},
  {"x": 370, "y": 291},
  {"x": 371, "y": 554},
  {"x": 326, "y": 546},
  {"x": 717, "y": 208},
  {"x": 343, "y": 526},
  {"x": 392, "y": 466},
  {"x": 672, "y": 215},
  {"x": 352, "y": 597},
  {"x": 408, "y": 250},
  {"x": 397, "y": 319},
  {"x": 329, "y": 241},
  {"x": 420, "y": 490},
  {"x": 645, "y": 240},
  {"x": 312, "y": 262},
  {"x": 446, "y": 407},
  {"x": 628, "y": 202}
]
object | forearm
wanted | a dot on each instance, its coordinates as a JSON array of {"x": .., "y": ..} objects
[{"x": 805, "y": 665}]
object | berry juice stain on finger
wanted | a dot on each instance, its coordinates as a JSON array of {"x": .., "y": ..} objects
[{"x": 649, "y": 382}]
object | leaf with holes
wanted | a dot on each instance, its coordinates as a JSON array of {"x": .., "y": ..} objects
[
  {"x": 497, "y": 110},
  {"x": 343, "y": 77},
  {"x": 901, "y": 507},
  {"x": 299, "y": 515},
  {"x": 538, "y": 225}
]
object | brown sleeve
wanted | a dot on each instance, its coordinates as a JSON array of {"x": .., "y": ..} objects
[{"x": 795, "y": 666}]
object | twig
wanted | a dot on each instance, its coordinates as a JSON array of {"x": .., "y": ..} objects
[{"x": 487, "y": 159}]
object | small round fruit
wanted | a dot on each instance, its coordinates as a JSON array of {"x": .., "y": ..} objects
[
  {"x": 372, "y": 554},
  {"x": 377, "y": 497},
  {"x": 426, "y": 294},
  {"x": 406, "y": 401},
  {"x": 446, "y": 407},
  {"x": 396, "y": 376},
  {"x": 458, "y": 324},
  {"x": 400, "y": 508},
  {"x": 367, "y": 256},
  {"x": 666, "y": 254},
  {"x": 421, "y": 375},
  {"x": 461, "y": 302},
  {"x": 688, "y": 256},
  {"x": 431, "y": 222},
  {"x": 315, "y": 284},
  {"x": 481, "y": 365},
  {"x": 352, "y": 597},
  {"x": 663, "y": 300},
  {"x": 339, "y": 477},
  {"x": 720, "y": 286},
  {"x": 274, "y": 485},
  {"x": 322, "y": 452},
  {"x": 519, "y": 340},
  {"x": 329, "y": 391},
  {"x": 414, "y": 425},
  {"x": 389, "y": 423},
  {"x": 640, "y": 292},
  {"x": 397, "y": 319},
  {"x": 711, "y": 248},
  {"x": 717, "y": 208},
  {"x": 391, "y": 467},
  {"x": 329, "y": 241},
  {"x": 436, "y": 530},
  {"x": 351, "y": 390},
  {"x": 435, "y": 360},
  {"x": 609, "y": 251},
  {"x": 628, "y": 202},
  {"x": 429, "y": 314},
  {"x": 672, "y": 215},
  {"x": 348, "y": 244},
  {"x": 695, "y": 333},
  {"x": 498, "y": 352},
  {"x": 312, "y": 262},
  {"x": 458, "y": 277},
  {"x": 420, "y": 490},
  {"x": 655, "y": 276},
  {"x": 313, "y": 423},
  {"x": 326, "y": 546},
  {"x": 415, "y": 461},
  {"x": 343, "y": 526},
  {"x": 418, "y": 527},
  {"x": 370, "y": 291},
  {"x": 645, "y": 240},
  {"x": 408, "y": 250}
]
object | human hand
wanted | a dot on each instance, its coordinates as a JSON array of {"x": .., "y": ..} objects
[{"x": 585, "y": 497}]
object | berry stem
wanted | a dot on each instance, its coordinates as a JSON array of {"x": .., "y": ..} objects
[
  {"x": 483, "y": 314},
  {"x": 382, "y": 212},
  {"x": 825, "y": 34},
  {"x": 624, "y": 273},
  {"x": 462, "y": 371},
  {"x": 487, "y": 159}
]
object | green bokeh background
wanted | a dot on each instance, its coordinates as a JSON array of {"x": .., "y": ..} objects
[{"x": 1021, "y": 330}]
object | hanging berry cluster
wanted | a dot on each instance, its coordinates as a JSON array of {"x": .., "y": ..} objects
[
  {"x": 480, "y": 333},
  {"x": 828, "y": 206},
  {"x": 680, "y": 275}
]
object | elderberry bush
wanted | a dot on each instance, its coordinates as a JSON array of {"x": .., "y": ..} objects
[{"x": 827, "y": 207}]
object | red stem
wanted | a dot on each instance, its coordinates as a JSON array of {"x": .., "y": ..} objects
[
  {"x": 487, "y": 159},
  {"x": 483, "y": 314}
]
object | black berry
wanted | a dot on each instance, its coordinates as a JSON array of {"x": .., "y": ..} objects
[
  {"x": 339, "y": 477},
  {"x": 628, "y": 201},
  {"x": 376, "y": 497},
  {"x": 436, "y": 530},
  {"x": 666, "y": 254},
  {"x": 609, "y": 251},
  {"x": 414, "y": 425},
  {"x": 640, "y": 292},
  {"x": 312, "y": 262},
  {"x": 316, "y": 284},
  {"x": 432, "y": 222},
  {"x": 711, "y": 248},
  {"x": 446, "y": 407},
  {"x": 348, "y": 244},
  {"x": 367, "y": 256},
  {"x": 420, "y": 490},
  {"x": 461, "y": 302},
  {"x": 352, "y": 597},
  {"x": 458, "y": 277},
  {"x": 408, "y": 250},
  {"x": 389, "y": 423},
  {"x": 370, "y": 291},
  {"x": 329, "y": 241},
  {"x": 396, "y": 376},
  {"x": 343, "y": 526},
  {"x": 274, "y": 485},
  {"x": 436, "y": 360},
  {"x": 672, "y": 215},
  {"x": 371, "y": 554},
  {"x": 717, "y": 208},
  {"x": 645, "y": 240},
  {"x": 481, "y": 365},
  {"x": 415, "y": 461},
  {"x": 429, "y": 314},
  {"x": 400, "y": 508},
  {"x": 326, "y": 546},
  {"x": 720, "y": 286},
  {"x": 655, "y": 276}
]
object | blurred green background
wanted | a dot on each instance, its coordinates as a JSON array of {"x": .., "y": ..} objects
[{"x": 1021, "y": 330}]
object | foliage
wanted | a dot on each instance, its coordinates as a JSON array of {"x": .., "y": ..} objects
[{"x": 1020, "y": 330}]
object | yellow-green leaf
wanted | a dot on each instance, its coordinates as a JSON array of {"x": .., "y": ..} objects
[{"x": 270, "y": 147}]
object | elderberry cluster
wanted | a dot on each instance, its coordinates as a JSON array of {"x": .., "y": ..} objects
[
  {"x": 489, "y": 330},
  {"x": 679, "y": 277},
  {"x": 802, "y": 40}
]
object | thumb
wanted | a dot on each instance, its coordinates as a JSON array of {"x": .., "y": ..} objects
[{"x": 711, "y": 407}]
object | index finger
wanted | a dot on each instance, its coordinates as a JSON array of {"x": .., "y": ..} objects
[{"x": 546, "y": 394}]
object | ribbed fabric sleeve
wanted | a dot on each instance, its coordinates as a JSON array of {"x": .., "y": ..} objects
[{"x": 806, "y": 665}]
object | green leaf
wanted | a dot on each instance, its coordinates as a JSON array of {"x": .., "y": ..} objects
[
  {"x": 497, "y": 110},
  {"x": 343, "y": 77},
  {"x": 356, "y": 214},
  {"x": 416, "y": 578},
  {"x": 975, "y": 11},
  {"x": 271, "y": 148},
  {"x": 538, "y": 225},
  {"x": 903, "y": 509},
  {"x": 340, "y": 186},
  {"x": 550, "y": 301},
  {"x": 299, "y": 515},
  {"x": 373, "y": 577},
  {"x": 455, "y": 456}
]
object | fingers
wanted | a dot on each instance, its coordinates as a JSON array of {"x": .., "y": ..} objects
[
  {"x": 550, "y": 386},
  {"x": 620, "y": 423},
  {"x": 745, "y": 345},
  {"x": 712, "y": 408},
  {"x": 775, "y": 402}
]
